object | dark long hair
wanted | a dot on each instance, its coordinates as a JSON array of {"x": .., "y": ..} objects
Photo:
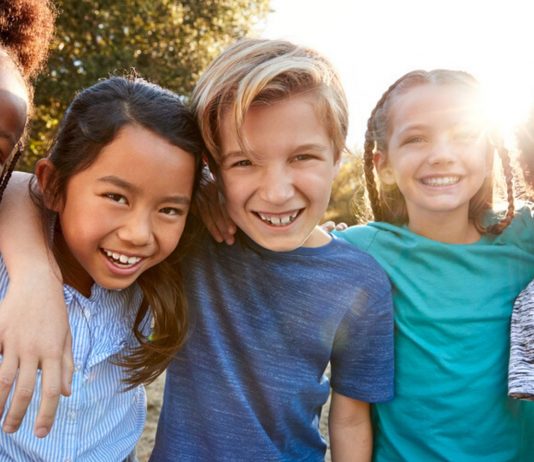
[{"x": 91, "y": 122}]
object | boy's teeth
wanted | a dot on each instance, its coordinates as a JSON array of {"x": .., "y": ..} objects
[
  {"x": 278, "y": 220},
  {"x": 122, "y": 259},
  {"x": 441, "y": 181}
]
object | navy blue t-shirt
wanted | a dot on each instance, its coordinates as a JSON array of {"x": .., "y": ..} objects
[{"x": 249, "y": 383}]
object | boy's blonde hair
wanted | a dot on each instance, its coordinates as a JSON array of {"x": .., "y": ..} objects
[{"x": 259, "y": 72}]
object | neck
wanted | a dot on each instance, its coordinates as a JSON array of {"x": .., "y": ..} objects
[
  {"x": 448, "y": 228},
  {"x": 72, "y": 272}
]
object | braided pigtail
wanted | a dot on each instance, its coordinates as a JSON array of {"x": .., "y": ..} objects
[
  {"x": 376, "y": 135},
  {"x": 498, "y": 228},
  {"x": 369, "y": 170}
]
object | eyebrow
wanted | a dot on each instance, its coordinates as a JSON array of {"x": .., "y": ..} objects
[
  {"x": 303, "y": 147},
  {"x": 119, "y": 182}
]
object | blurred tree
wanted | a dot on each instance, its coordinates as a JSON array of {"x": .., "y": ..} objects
[
  {"x": 348, "y": 203},
  {"x": 168, "y": 42}
]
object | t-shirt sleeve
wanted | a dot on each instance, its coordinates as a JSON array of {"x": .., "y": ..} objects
[
  {"x": 521, "y": 231},
  {"x": 362, "y": 360}
]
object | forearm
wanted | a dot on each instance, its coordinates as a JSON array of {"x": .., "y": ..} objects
[
  {"x": 351, "y": 437},
  {"x": 34, "y": 330},
  {"x": 20, "y": 228}
]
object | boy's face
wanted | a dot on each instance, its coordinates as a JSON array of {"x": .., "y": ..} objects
[{"x": 278, "y": 190}]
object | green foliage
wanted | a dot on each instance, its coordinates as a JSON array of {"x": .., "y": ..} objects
[
  {"x": 348, "y": 203},
  {"x": 168, "y": 42}
]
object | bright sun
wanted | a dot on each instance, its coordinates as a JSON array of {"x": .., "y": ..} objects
[{"x": 508, "y": 106}]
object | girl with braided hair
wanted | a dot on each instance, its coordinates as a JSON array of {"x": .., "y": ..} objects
[
  {"x": 26, "y": 27},
  {"x": 456, "y": 267}
]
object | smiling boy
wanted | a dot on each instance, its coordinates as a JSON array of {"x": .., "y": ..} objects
[{"x": 271, "y": 312}]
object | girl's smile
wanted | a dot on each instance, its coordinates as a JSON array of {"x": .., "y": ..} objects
[
  {"x": 121, "y": 215},
  {"x": 436, "y": 155}
]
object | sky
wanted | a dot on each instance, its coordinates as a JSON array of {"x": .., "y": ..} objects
[{"x": 373, "y": 42}]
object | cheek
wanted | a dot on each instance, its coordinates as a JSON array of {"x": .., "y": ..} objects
[
  {"x": 234, "y": 188},
  {"x": 169, "y": 239}
]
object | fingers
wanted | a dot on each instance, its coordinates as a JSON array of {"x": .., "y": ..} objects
[
  {"x": 8, "y": 372},
  {"x": 50, "y": 393},
  {"x": 68, "y": 367},
  {"x": 328, "y": 226},
  {"x": 217, "y": 222},
  {"x": 21, "y": 397}
]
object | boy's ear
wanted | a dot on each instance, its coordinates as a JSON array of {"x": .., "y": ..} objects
[
  {"x": 45, "y": 171},
  {"x": 385, "y": 173}
]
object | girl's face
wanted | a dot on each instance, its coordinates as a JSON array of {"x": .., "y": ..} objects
[
  {"x": 13, "y": 112},
  {"x": 437, "y": 151},
  {"x": 126, "y": 212}
]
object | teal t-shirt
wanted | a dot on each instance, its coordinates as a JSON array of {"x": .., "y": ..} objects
[{"x": 452, "y": 305}]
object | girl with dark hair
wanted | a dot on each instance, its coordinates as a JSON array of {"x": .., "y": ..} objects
[{"x": 113, "y": 222}]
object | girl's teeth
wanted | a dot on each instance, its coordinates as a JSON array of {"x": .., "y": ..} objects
[
  {"x": 122, "y": 259},
  {"x": 441, "y": 181}
]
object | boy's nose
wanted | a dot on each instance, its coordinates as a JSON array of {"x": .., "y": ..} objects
[{"x": 277, "y": 186}]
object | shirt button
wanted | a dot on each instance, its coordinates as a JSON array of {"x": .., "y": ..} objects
[
  {"x": 77, "y": 367},
  {"x": 71, "y": 415}
]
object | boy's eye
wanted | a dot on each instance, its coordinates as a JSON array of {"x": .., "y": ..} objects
[
  {"x": 242, "y": 163},
  {"x": 301, "y": 157},
  {"x": 172, "y": 211},
  {"x": 116, "y": 198}
]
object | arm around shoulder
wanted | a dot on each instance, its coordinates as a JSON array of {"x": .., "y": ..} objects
[{"x": 34, "y": 331}]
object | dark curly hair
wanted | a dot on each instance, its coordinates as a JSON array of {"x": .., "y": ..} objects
[{"x": 26, "y": 29}]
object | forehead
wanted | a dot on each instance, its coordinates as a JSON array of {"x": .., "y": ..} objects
[
  {"x": 13, "y": 105},
  {"x": 277, "y": 126},
  {"x": 436, "y": 104}
]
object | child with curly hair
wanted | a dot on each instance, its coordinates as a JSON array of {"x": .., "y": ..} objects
[{"x": 26, "y": 28}]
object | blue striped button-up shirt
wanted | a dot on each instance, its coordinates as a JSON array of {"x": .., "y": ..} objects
[{"x": 98, "y": 422}]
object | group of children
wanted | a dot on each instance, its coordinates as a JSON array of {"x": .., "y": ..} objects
[{"x": 412, "y": 311}]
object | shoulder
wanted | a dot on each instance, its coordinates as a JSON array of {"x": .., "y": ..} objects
[
  {"x": 373, "y": 234},
  {"x": 360, "y": 269},
  {"x": 521, "y": 230}
]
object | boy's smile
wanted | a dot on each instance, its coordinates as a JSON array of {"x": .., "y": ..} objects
[{"x": 277, "y": 182}]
